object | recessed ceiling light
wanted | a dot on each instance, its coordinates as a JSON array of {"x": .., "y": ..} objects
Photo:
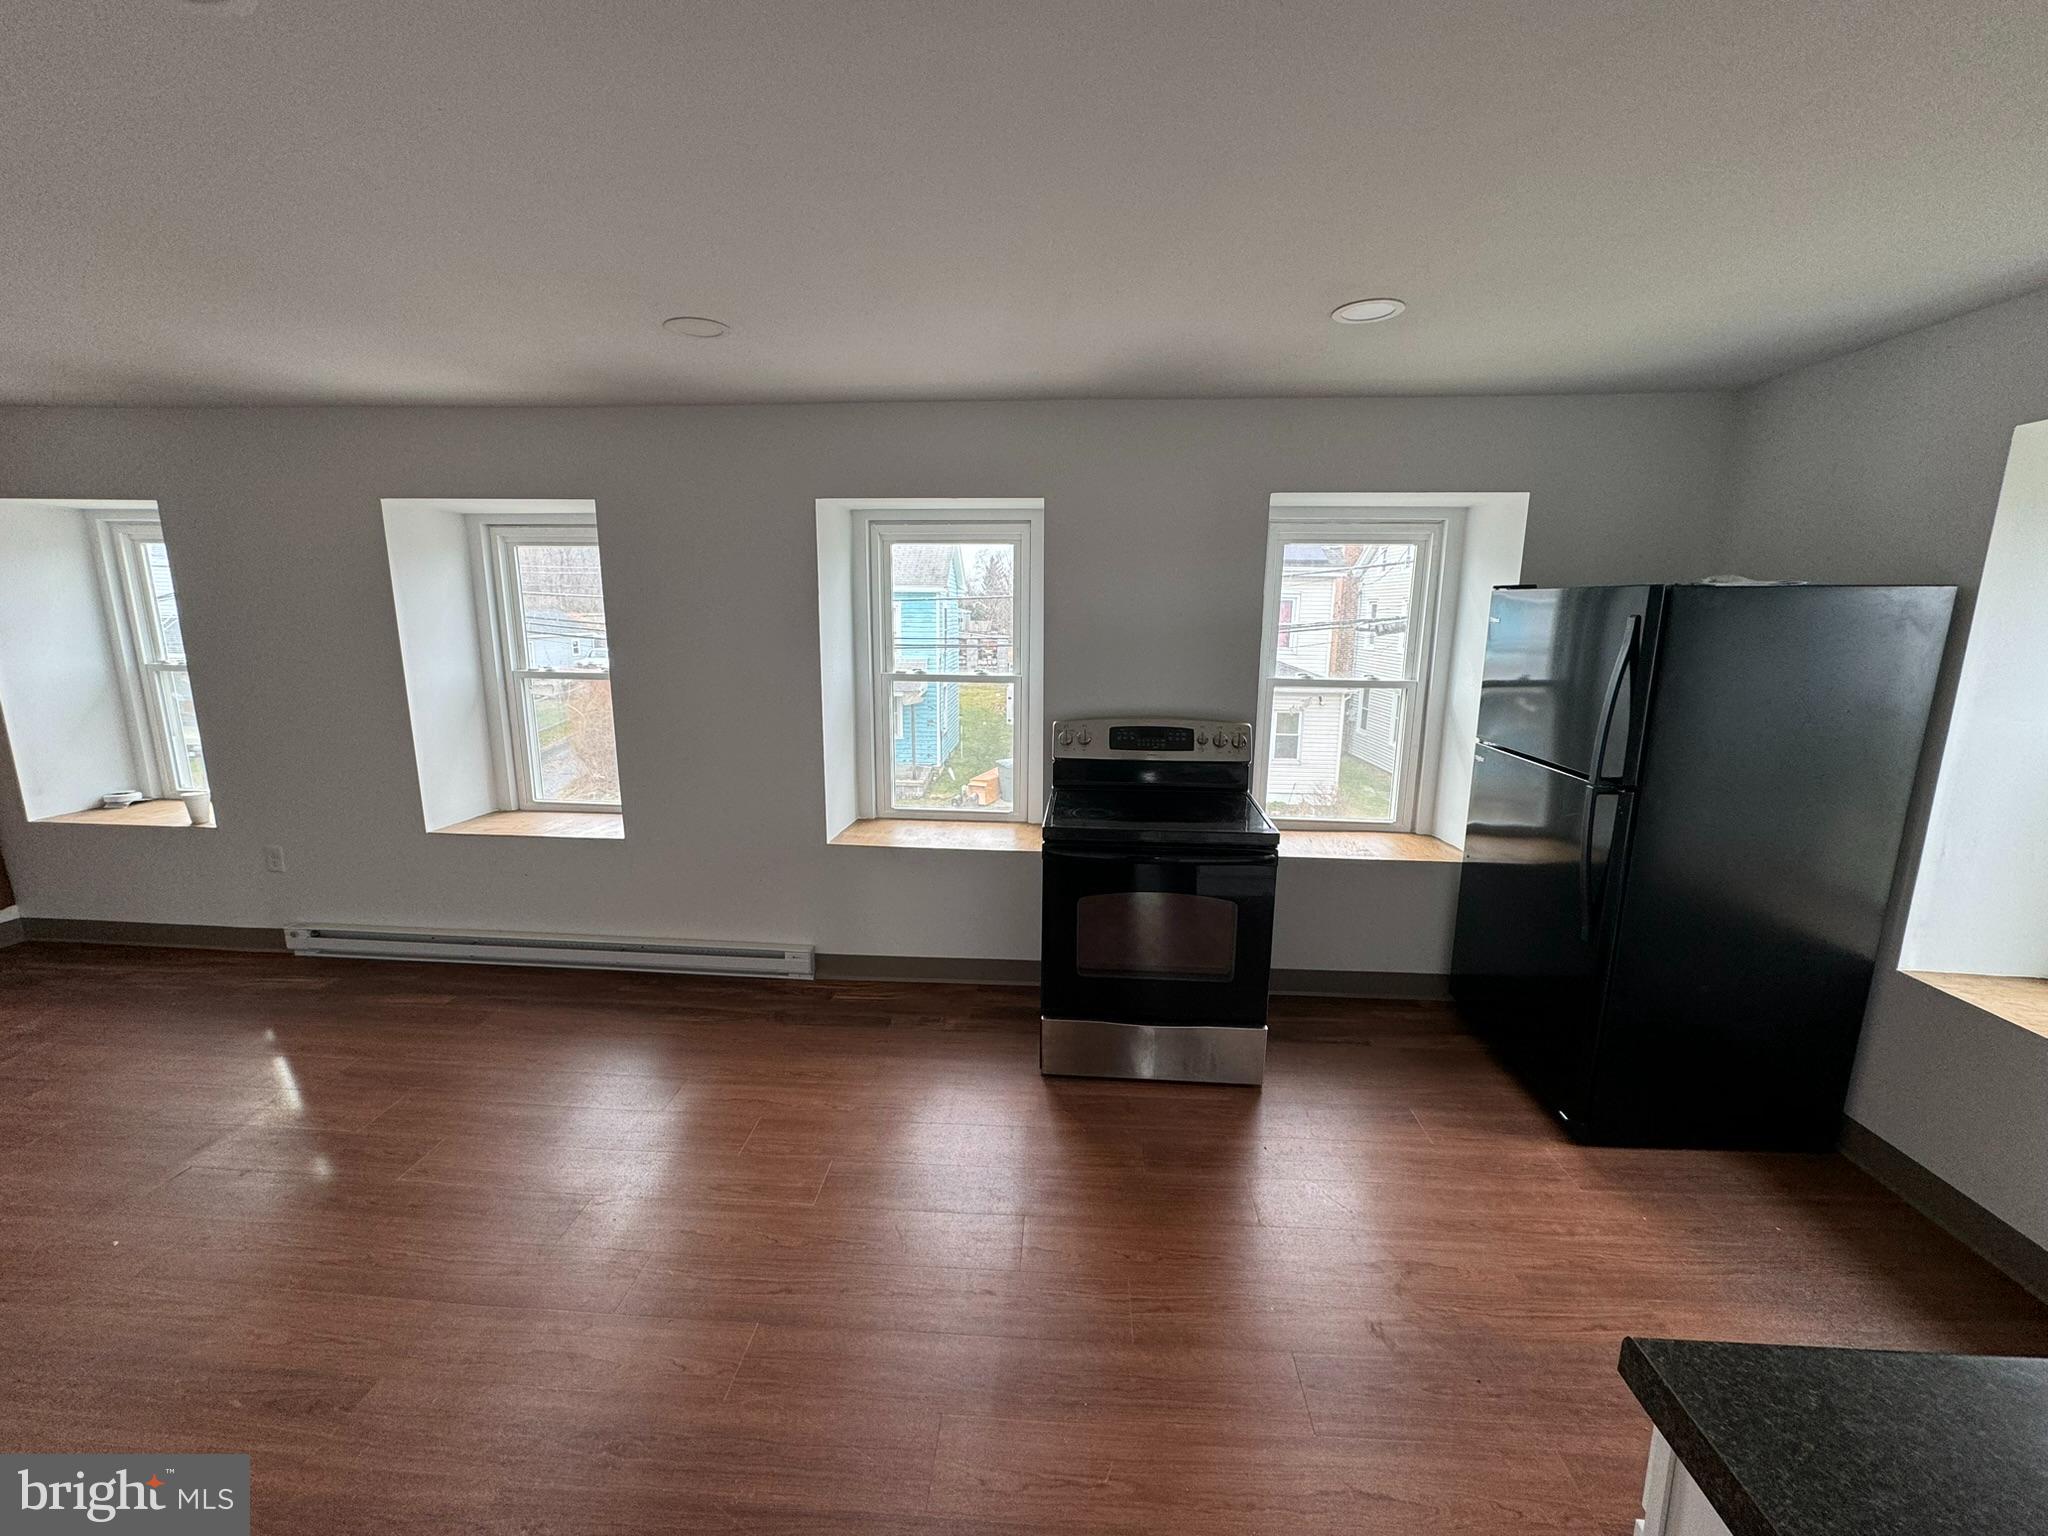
[
  {"x": 700, "y": 326},
  {"x": 1365, "y": 311}
]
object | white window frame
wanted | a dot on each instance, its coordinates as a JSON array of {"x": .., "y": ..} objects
[
  {"x": 497, "y": 537},
  {"x": 1360, "y": 525},
  {"x": 142, "y": 668},
  {"x": 1021, "y": 525}
]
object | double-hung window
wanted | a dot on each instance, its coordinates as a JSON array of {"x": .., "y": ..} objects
[
  {"x": 1344, "y": 669},
  {"x": 948, "y": 696},
  {"x": 150, "y": 642},
  {"x": 545, "y": 607}
]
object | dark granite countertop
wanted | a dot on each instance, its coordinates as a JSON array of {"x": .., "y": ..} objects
[{"x": 1786, "y": 1441}]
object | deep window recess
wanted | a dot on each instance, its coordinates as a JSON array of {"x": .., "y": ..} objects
[
  {"x": 943, "y": 616},
  {"x": 545, "y": 594},
  {"x": 1351, "y": 609},
  {"x": 150, "y": 643}
]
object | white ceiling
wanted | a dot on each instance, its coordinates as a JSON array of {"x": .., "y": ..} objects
[{"x": 498, "y": 200}]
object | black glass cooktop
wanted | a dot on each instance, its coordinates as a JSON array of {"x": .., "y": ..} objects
[{"x": 1154, "y": 816}]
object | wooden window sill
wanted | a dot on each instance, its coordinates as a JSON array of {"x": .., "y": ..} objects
[
  {"x": 2021, "y": 1000},
  {"x": 1395, "y": 847},
  {"x": 600, "y": 824},
  {"x": 144, "y": 813},
  {"x": 970, "y": 836}
]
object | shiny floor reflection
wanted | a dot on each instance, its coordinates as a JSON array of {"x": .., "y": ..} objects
[{"x": 452, "y": 1249}]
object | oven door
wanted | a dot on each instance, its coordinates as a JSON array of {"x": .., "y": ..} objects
[{"x": 1157, "y": 936}]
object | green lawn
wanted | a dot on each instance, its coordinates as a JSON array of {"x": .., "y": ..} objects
[
  {"x": 550, "y": 721},
  {"x": 1364, "y": 793},
  {"x": 985, "y": 736}
]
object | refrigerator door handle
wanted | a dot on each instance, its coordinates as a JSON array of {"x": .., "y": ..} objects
[
  {"x": 1624, "y": 660},
  {"x": 1588, "y": 912},
  {"x": 1594, "y": 787}
]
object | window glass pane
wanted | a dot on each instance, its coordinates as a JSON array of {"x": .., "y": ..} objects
[
  {"x": 1287, "y": 735},
  {"x": 188, "y": 764},
  {"x": 952, "y": 607},
  {"x": 162, "y": 640},
  {"x": 1344, "y": 610},
  {"x": 561, "y": 607},
  {"x": 1334, "y": 754},
  {"x": 952, "y": 746},
  {"x": 571, "y": 753}
]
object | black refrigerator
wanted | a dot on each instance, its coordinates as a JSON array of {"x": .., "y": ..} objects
[{"x": 1687, "y": 803}]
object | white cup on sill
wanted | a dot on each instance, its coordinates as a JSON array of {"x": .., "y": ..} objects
[{"x": 199, "y": 806}]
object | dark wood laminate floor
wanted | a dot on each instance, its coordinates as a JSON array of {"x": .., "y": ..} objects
[{"x": 460, "y": 1250}]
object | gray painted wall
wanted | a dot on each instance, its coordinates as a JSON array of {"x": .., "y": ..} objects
[
  {"x": 1885, "y": 466},
  {"x": 1155, "y": 536}
]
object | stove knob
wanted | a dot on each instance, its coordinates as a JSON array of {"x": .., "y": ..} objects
[
  {"x": 1241, "y": 740},
  {"x": 1082, "y": 736},
  {"x": 1066, "y": 738},
  {"x": 1201, "y": 738}
]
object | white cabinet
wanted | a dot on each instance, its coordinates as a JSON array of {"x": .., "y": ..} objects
[{"x": 1672, "y": 1502}]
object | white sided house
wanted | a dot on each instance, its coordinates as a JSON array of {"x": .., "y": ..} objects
[{"x": 1344, "y": 612}]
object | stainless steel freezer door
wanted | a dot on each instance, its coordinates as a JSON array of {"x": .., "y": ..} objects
[{"x": 1566, "y": 669}]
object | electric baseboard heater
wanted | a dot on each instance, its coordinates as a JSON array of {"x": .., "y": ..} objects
[{"x": 560, "y": 950}]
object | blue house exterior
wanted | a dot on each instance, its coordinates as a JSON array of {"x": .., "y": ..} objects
[{"x": 927, "y": 620}]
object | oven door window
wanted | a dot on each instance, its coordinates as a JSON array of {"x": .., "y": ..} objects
[{"x": 1157, "y": 935}]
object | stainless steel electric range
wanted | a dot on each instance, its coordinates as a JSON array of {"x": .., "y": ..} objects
[{"x": 1159, "y": 875}]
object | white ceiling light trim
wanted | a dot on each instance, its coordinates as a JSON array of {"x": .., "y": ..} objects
[{"x": 1366, "y": 311}]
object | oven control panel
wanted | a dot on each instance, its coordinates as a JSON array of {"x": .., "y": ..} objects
[{"x": 1122, "y": 738}]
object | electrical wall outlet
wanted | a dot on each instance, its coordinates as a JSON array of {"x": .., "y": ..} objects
[{"x": 273, "y": 859}]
